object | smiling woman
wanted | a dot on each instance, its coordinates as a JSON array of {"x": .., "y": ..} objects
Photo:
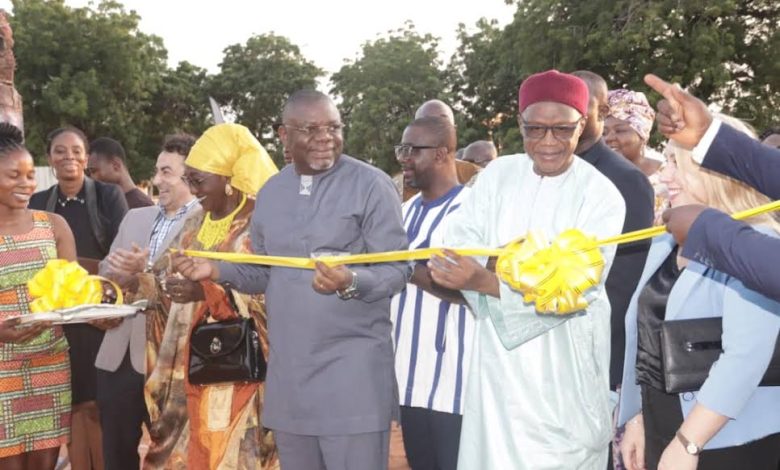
[
  {"x": 93, "y": 211},
  {"x": 31, "y": 434},
  {"x": 224, "y": 170}
]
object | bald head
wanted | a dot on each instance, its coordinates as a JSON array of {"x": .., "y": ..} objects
[
  {"x": 592, "y": 79},
  {"x": 480, "y": 153},
  {"x": 435, "y": 108},
  {"x": 303, "y": 98},
  {"x": 598, "y": 108},
  {"x": 439, "y": 130}
]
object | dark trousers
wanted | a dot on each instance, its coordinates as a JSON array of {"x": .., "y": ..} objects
[
  {"x": 120, "y": 397},
  {"x": 663, "y": 416},
  {"x": 431, "y": 438}
]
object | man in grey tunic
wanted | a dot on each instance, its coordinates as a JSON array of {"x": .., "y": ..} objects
[{"x": 330, "y": 392}]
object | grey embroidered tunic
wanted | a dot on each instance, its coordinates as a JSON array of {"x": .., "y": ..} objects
[{"x": 331, "y": 361}]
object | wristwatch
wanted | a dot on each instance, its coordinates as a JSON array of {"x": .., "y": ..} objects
[
  {"x": 690, "y": 447},
  {"x": 351, "y": 291}
]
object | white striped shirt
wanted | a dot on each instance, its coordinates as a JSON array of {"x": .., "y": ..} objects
[
  {"x": 162, "y": 227},
  {"x": 432, "y": 337}
]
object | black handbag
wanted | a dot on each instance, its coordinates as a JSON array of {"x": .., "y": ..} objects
[
  {"x": 226, "y": 351},
  {"x": 690, "y": 347}
]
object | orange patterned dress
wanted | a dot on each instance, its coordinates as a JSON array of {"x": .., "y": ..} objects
[{"x": 34, "y": 376}]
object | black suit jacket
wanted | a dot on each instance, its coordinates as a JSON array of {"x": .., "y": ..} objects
[
  {"x": 728, "y": 245},
  {"x": 110, "y": 206},
  {"x": 630, "y": 258}
]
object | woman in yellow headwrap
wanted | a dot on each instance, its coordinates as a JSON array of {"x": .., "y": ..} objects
[{"x": 217, "y": 426}]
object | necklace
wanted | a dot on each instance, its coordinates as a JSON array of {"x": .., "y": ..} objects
[{"x": 213, "y": 232}]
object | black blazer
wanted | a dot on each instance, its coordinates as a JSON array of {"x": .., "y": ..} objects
[
  {"x": 629, "y": 258},
  {"x": 106, "y": 206},
  {"x": 731, "y": 246}
]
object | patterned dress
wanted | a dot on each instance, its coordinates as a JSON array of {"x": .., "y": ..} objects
[
  {"x": 229, "y": 437},
  {"x": 34, "y": 376}
]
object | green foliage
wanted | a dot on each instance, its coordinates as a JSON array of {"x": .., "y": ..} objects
[
  {"x": 381, "y": 90},
  {"x": 89, "y": 67},
  {"x": 256, "y": 78},
  {"x": 180, "y": 103},
  {"x": 93, "y": 68},
  {"x": 726, "y": 51}
]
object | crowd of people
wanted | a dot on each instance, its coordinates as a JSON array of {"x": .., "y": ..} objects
[{"x": 476, "y": 377}]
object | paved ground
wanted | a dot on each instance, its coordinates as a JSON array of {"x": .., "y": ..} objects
[{"x": 397, "y": 455}]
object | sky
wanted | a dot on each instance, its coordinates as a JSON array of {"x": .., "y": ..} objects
[{"x": 328, "y": 32}]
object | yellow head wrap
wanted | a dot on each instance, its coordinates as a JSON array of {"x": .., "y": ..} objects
[{"x": 231, "y": 150}]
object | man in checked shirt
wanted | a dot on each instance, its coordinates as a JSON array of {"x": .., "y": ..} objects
[{"x": 143, "y": 236}]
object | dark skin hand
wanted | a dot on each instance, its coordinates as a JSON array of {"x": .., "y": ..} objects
[
  {"x": 421, "y": 277},
  {"x": 106, "y": 323},
  {"x": 109, "y": 296},
  {"x": 126, "y": 282},
  {"x": 463, "y": 273},
  {"x": 11, "y": 333},
  {"x": 329, "y": 279},
  {"x": 679, "y": 220},
  {"x": 183, "y": 291},
  {"x": 681, "y": 116}
]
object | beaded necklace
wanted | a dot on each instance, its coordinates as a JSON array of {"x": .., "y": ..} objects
[{"x": 213, "y": 232}]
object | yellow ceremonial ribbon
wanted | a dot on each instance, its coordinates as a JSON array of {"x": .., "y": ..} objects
[
  {"x": 64, "y": 284},
  {"x": 554, "y": 275}
]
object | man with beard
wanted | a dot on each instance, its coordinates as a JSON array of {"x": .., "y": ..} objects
[
  {"x": 464, "y": 170},
  {"x": 433, "y": 329},
  {"x": 330, "y": 390}
]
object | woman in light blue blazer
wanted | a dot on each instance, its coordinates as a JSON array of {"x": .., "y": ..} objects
[{"x": 731, "y": 420}]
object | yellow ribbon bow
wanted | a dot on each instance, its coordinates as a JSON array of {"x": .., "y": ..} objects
[
  {"x": 554, "y": 275},
  {"x": 65, "y": 284}
]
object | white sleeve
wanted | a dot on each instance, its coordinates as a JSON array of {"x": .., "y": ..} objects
[{"x": 704, "y": 144}]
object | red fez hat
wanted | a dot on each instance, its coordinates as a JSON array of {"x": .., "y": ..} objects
[{"x": 554, "y": 86}]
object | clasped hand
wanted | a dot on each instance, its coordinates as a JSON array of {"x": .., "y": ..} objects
[
  {"x": 454, "y": 271},
  {"x": 182, "y": 291},
  {"x": 329, "y": 279}
]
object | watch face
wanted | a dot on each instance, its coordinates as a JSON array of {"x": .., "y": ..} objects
[{"x": 692, "y": 449}]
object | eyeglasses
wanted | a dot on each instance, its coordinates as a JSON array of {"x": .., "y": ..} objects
[
  {"x": 406, "y": 150},
  {"x": 311, "y": 131},
  {"x": 559, "y": 131},
  {"x": 194, "y": 183}
]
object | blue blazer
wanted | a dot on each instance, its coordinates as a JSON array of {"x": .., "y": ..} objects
[
  {"x": 750, "y": 328},
  {"x": 728, "y": 245}
]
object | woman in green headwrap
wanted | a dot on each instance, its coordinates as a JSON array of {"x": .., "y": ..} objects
[{"x": 218, "y": 426}]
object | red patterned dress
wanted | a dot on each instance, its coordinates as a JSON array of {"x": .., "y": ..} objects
[{"x": 34, "y": 376}]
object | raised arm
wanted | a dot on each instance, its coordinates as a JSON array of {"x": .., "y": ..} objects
[{"x": 735, "y": 248}]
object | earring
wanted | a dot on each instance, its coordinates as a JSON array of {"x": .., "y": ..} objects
[{"x": 228, "y": 190}]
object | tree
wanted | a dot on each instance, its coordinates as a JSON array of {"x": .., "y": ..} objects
[
  {"x": 484, "y": 87},
  {"x": 256, "y": 78},
  {"x": 89, "y": 67},
  {"x": 180, "y": 103},
  {"x": 726, "y": 51},
  {"x": 381, "y": 90}
]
